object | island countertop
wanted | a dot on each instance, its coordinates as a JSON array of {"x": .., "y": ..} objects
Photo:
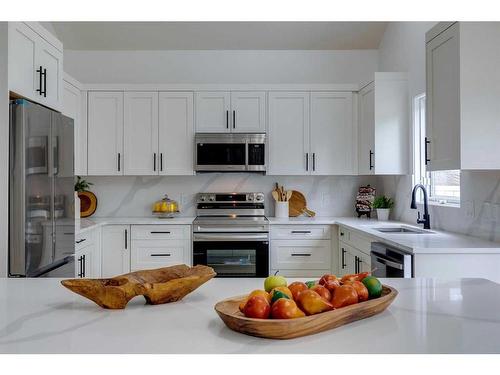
[{"x": 428, "y": 316}]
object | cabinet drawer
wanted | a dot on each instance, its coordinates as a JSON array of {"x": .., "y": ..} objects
[
  {"x": 85, "y": 239},
  {"x": 160, "y": 232},
  {"x": 301, "y": 255},
  {"x": 148, "y": 254},
  {"x": 301, "y": 232}
]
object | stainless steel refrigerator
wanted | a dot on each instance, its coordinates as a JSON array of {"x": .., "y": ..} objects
[{"x": 41, "y": 192}]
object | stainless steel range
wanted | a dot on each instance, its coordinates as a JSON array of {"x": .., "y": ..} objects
[{"x": 231, "y": 234}]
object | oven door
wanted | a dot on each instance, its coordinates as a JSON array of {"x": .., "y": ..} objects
[
  {"x": 221, "y": 156},
  {"x": 233, "y": 258}
]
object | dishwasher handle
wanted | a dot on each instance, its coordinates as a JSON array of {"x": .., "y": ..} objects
[{"x": 382, "y": 259}]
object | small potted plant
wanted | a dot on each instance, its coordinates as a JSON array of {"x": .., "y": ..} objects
[{"x": 383, "y": 206}]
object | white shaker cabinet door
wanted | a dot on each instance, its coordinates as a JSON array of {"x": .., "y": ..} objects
[
  {"x": 140, "y": 133},
  {"x": 443, "y": 100},
  {"x": 105, "y": 133},
  {"x": 23, "y": 78},
  {"x": 212, "y": 111},
  {"x": 366, "y": 131},
  {"x": 176, "y": 133},
  {"x": 333, "y": 134},
  {"x": 248, "y": 111},
  {"x": 115, "y": 250},
  {"x": 51, "y": 60},
  {"x": 289, "y": 133}
]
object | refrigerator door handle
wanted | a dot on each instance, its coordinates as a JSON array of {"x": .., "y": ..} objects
[{"x": 51, "y": 267}]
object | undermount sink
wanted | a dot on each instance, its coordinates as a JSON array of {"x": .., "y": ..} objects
[{"x": 402, "y": 230}]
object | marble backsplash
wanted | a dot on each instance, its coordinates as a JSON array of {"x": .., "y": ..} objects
[{"x": 133, "y": 196}]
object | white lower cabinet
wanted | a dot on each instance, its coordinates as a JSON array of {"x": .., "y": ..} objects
[
  {"x": 354, "y": 252},
  {"x": 301, "y": 250},
  {"x": 88, "y": 254},
  {"x": 155, "y": 246},
  {"x": 116, "y": 250}
]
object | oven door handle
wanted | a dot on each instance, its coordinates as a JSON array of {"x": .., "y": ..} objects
[
  {"x": 230, "y": 237},
  {"x": 382, "y": 260}
]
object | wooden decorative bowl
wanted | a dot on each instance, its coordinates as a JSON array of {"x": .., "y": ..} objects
[
  {"x": 290, "y": 328},
  {"x": 161, "y": 285}
]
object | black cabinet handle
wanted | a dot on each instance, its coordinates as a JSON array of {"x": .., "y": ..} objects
[
  {"x": 301, "y": 231},
  {"x": 161, "y": 161},
  {"x": 39, "y": 89},
  {"x": 426, "y": 154},
  {"x": 160, "y": 232},
  {"x": 301, "y": 255},
  {"x": 314, "y": 161},
  {"x": 154, "y": 162},
  {"x": 44, "y": 83},
  {"x": 119, "y": 161},
  {"x": 160, "y": 255},
  {"x": 126, "y": 239},
  {"x": 307, "y": 161},
  {"x": 80, "y": 272},
  {"x": 371, "y": 163},
  {"x": 227, "y": 119},
  {"x": 234, "y": 119},
  {"x": 343, "y": 258},
  {"x": 80, "y": 241},
  {"x": 342, "y": 234},
  {"x": 83, "y": 266}
]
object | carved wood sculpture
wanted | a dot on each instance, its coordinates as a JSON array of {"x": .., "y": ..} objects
[{"x": 161, "y": 285}]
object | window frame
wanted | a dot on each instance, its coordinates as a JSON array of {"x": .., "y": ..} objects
[{"x": 420, "y": 174}]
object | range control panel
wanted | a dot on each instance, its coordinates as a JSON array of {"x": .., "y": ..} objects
[{"x": 231, "y": 197}]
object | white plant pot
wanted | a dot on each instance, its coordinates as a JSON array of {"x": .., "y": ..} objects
[
  {"x": 383, "y": 214},
  {"x": 281, "y": 209}
]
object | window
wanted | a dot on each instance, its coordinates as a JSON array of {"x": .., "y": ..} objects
[{"x": 443, "y": 186}]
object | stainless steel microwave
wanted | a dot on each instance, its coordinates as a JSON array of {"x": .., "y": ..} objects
[{"x": 230, "y": 152}]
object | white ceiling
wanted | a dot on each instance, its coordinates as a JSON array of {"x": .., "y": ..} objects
[{"x": 219, "y": 35}]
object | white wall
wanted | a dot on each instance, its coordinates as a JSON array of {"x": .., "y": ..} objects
[
  {"x": 134, "y": 196},
  {"x": 403, "y": 49},
  {"x": 4, "y": 149},
  {"x": 221, "y": 66}
]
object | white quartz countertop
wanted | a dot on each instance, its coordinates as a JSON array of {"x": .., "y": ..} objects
[
  {"x": 84, "y": 225},
  {"x": 434, "y": 241},
  {"x": 428, "y": 316}
]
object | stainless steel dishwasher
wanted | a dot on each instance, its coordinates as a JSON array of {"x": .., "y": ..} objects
[{"x": 387, "y": 261}]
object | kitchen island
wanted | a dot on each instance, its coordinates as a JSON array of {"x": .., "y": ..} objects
[{"x": 428, "y": 316}]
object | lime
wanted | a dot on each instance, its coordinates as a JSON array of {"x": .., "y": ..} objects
[
  {"x": 310, "y": 284},
  {"x": 277, "y": 295},
  {"x": 373, "y": 285}
]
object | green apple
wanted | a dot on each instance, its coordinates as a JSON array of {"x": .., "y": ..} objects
[{"x": 273, "y": 282}]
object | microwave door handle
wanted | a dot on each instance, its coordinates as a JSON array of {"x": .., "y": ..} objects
[{"x": 387, "y": 262}]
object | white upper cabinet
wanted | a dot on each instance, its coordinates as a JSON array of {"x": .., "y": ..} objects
[
  {"x": 235, "y": 111},
  {"x": 72, "y": 106},
  {"x": 35, "y": 64},
  {"x": 212, "y": 112},
  {"x": 248, "y": 111},
  {"x": 443, "y": 101},
  {"x": 462, "y": 95},
  {"x": 384, "y": 125},
  {"x": 140, "y": 134},
  {"x": 288, "y": 133},
  {"x": 105, "y": 133},
  {"x": 333, "y": 134},
  {"x": 176, "y": 133}
]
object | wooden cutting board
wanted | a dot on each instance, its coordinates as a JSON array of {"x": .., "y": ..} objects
[
  {"x": 298, "y": 205},
  {"x": 229, "y": 312}
]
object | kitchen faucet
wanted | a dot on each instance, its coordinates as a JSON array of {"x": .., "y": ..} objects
[{"x": 427, "y": 219}]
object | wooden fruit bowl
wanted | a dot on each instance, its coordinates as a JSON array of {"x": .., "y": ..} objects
[
  {"x": 290, "y": 328},
  {"x": 161, "y": 285}
]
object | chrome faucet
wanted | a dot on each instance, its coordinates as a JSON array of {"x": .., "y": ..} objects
[{"x": 427, "y": 219}]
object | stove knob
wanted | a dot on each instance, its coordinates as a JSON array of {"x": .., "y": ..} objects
[
  {"x": 203, "y": 198},
  {"x": 259, "y": 197},
  {"x": 212, "y": 198}
]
